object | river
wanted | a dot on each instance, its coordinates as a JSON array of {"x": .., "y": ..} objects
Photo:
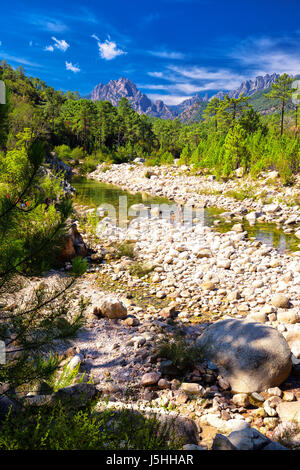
[{"x": 94, "y": 194}]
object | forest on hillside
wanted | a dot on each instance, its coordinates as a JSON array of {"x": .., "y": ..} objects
[{"x": 84, "y": 133}]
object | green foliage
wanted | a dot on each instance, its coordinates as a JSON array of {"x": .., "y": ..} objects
[
  {"x": 179, "y": 350},
  {"x": 124, "y": 249},
  {"x": 282, "y": 91},
  {"x": 60, "y": 429},
  {"x": 67, "y": 377},
  {"x": 140, "y": 269}
]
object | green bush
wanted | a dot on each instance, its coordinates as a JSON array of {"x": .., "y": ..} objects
[
  {"x": 179, "y": 350},
  {"x": 57, "y": 428},
  {"x": 124, "y": 249}
]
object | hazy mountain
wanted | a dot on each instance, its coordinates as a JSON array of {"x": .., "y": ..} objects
[{"x": 181, "y": 107}]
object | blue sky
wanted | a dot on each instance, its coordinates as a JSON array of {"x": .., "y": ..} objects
[{"x": 171, "y": 49}]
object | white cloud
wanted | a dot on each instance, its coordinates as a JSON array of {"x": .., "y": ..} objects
[
  {"x": 73, "y": 68},
  {"x": 18, "y": 60},
  {"x": 60, "y": 44},
  {"x": 47, "y": 23},
  {"x": 264, "y": 55},
  {"x": 94, "y": 36},
  {"x": 168, "y": 99},
  {"x": 0, "y": 43},
  {"x": 49, "y": 48},
  {"x": 194, "y": 79},
  {"x": 108, "y": 50},
  {"x": 167, "y": 55},
  {"x": 156, "y": 74}
]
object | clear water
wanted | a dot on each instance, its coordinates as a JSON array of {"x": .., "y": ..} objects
[{"x": 94, "y": 194}]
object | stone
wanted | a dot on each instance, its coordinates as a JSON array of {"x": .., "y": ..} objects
[
  {"x": 192, "y": 447},
  {"x": 75, "y": 361},
  {"x": 209, "y": 285},
  {"x": 203, "y": 253},
  {"x": 260, "y": 317},
  {"x": 224, "y": 263},
  {"x": 268, "y": 309},
  {"x": 288, "y": 396},
  {"x": 150, "y": 378},
  {"x": 239, "y": 228},
  {"x": 75, "y": 395},
  {"x": 168, "y": 312},
  {"x": 289, "y": 411},
  {"x": 6, "y": 404},
  {"x": 167, "y": 368},
  {"x": 233, "y": 295},
  {"x": 274, "y": 446},
  {"x": 280, "y": 301},
  {"x": 275, "y": 391},
  {"x": 269, "y": 410},
  {"x": 250, "y": 356},
  {"x": 248, "y": 439},
  {"x": 73, "y": 246},
  {"x": 113, "y": 308},
  {"x": 181, "y": 398},
  {"x": 287, "y": 433},
  {"x": 183, "y": 427},
  {"x": 131, "y": 321},
  {"x": 222, "y": 442},
  {"x": 251, "y": 217},
  {"x": 192, "y": 389},
  {"x": 241, "y": 399},
  {"x": 223, "y": 384},
  {"x": 163, "y": 384},
  {"x": 287, "y": 317},
  {"x": 271, "y": 208},
  {"x": 224, "y": 425}
]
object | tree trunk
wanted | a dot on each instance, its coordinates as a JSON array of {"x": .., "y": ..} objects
[{"x": 282, "y": 116}]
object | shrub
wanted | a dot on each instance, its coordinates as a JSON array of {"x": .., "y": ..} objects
[
  {"x": 125, "y": 249},
  {"x": 180, "y": 351},
  {"x": 61, "y": 429},
  {"x": 63, "y": 152}
]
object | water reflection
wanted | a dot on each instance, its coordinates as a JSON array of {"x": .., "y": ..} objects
[{"x": 95, "y": 194}]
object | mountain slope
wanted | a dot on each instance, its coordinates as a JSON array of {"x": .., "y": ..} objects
[
  {"x": 255, "y": 89},
  {"x": 117, "y": 89}
]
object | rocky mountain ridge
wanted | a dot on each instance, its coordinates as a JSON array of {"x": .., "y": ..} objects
[{"x": 123, "y": 87}]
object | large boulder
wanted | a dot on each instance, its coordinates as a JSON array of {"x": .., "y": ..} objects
[{"x": 250, "y": 356}]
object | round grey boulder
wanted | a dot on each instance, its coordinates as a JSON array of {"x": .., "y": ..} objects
[{"x": 251, "y": 356}]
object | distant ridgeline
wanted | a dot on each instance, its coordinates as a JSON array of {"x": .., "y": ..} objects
[{"x": 189, "y": 110}]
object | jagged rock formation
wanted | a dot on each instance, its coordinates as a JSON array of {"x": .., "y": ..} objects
[
  {"x": 189, "y": 110},
  {"x": 249, "y": 87},
  {"x": 252, "y": 88},
  {"x": 116, "y": 89}
]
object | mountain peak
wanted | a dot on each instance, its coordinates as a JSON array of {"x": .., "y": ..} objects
[{"x": 124, "y": 87}]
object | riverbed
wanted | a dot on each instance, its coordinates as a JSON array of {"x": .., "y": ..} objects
[{"x": 95, "y": 193}]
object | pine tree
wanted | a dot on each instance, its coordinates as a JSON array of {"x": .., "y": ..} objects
[
  {"x": 31, "y": 234},
  {"x": 282, "y": 91}
]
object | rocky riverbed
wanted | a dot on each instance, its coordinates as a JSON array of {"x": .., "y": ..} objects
[
  {"x": 156, "y": 282},
  {"x": 264, "y": 199}
]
